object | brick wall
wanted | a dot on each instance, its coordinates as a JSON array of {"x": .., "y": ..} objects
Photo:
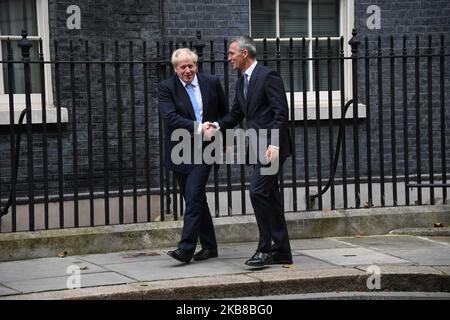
[{"x": 136, "y": 20}]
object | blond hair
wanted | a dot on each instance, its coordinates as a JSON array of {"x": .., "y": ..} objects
[{"x": 183, "y": 54}]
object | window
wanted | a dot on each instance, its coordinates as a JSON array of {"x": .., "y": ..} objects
[
  {"x": 32, "y": 16},
  {"x": 309, "y": 19}
]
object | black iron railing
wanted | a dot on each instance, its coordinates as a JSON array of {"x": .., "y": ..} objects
[{"x": 104, "y": 164}]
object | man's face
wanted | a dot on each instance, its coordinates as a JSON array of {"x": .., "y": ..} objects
[
  {"x": 237, "y": 57},
  {"x": 186, "y": 70}
]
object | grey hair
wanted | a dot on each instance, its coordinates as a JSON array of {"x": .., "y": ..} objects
[{"x": 245, "y": 42}]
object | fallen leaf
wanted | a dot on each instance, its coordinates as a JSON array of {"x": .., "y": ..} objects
[
  {"x": 62, "y": 254},
  {"x": 438, "y": 225},
  {"x": 84, "y": 267},
  {"x": 289, "y": 266}
]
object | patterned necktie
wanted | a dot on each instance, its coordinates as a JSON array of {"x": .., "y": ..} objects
[
  {"x": 190, "y": 90},
  {"x": 245, "y": 85}
]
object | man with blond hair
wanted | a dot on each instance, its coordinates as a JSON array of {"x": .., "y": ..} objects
[{"x": 187, "y": 101}]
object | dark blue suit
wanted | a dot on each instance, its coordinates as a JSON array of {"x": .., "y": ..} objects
[
  {"x": 176, "y": 110},
  {"x": 265, "y": 108}
]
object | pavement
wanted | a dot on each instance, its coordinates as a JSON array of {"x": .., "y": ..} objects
[{"x": 384, "y": 263}]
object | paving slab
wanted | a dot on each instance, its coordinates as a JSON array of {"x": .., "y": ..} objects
[
  {"x": 124, "y": 257},
  {"x": 442, "y": 240},
  {"x": 172, "y": 269},
  {"x": 425, "y": 257},
  {"x": 60, "y": 283},
  {"x": 4, "y": 291},
  {"x": 237, "y": 250},
  {"x": 246, "y": 250},
  {"x": 327, "y": 243},
  {"x": 299, "y": 262},
  {"x": 352, "y": 256},
  {"x": 383, "y": 243},
  {"x": 403, "y": 269},
  {"x": 42, "y": 268}
]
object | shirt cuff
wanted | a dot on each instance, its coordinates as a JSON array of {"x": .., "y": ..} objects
[
  {"x": 275, "y": 147},
  {"x": 216, "y": 125}
]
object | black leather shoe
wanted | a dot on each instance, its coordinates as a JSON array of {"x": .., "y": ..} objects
[
  {"x": 281, "y": 258},
  {"x": 259, "y": 259},
  {"x": 205, "y": 254},
  {"x": 180, "y": 255}
]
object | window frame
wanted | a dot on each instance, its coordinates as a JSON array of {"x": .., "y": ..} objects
[
  {"x": 346, "y": 25},
  {"x": 19, "y": 98}
]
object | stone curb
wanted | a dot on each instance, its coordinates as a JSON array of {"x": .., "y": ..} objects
[
  {"x": 432, "y": 232},
  {"x": 291, "y": 281}
]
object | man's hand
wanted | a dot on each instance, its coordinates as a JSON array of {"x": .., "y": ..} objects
[
  {"x": 206, "y": 125},
  {"x": 208, "y": 130},
  {"x": 272, "y": 153}
]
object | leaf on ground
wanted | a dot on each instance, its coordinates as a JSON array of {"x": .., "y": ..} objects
[
  {"x": 62, "y": 254},
  {"x": 289, "y": 266},
  {"x": 141, "y": 254},
  {"x": 84, "y": 267},
  {"x": 438, "y": 225}
]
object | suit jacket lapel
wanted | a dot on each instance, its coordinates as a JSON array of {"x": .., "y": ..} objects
[
  {"x": 252, "y": 83},
  {"x": 204, "y": 89},
  {"x": 184, "y": 96},
  {"x": 240, "y": 93}
]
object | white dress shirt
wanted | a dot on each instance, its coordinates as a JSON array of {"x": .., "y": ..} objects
[{"x": 198, "y": 97}]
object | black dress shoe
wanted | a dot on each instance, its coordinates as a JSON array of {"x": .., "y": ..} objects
[
  {"x": 180, "y": 255},
  {"x": 281, "y": 258},
  {"x": 205, "y": 254},
  {"x": 259, "y": 259}
]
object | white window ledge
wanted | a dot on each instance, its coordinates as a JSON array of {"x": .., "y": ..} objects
[
  {"x": 324, "y": 110},
  {"x": 36, "y": 115}
]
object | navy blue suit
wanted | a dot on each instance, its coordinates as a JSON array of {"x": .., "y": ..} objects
[
  {"x": 176, "y": 110},
  {"x": 265, "y": 108}
]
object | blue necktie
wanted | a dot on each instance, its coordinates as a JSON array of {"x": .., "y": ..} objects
[
  {"x": 245, "y": 85},
  {"x": 190, "y": 90}
]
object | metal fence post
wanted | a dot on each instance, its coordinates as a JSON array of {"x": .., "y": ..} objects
[
  {"x": 354, "y": 43},
  {"x": 25, "y": 45},
  {"x": 199, "y": 46}
]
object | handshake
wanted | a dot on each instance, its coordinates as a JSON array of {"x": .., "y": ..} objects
[{"x": 208, "y": 130}]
